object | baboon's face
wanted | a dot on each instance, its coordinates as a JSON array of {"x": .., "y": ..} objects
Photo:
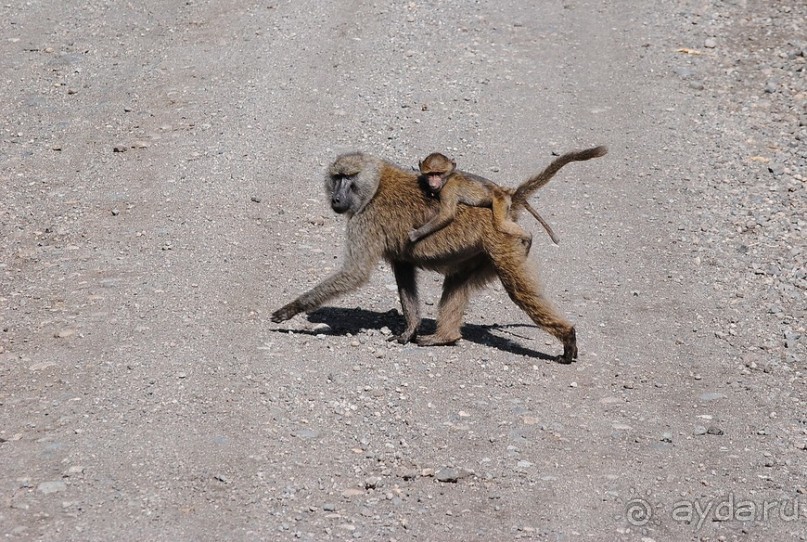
[
  {"x": 351, "y": 182},
  {"x": 435, "y": 170},
  {"x": 436, "y": 181},
  {"x": 343, "y": 193}
]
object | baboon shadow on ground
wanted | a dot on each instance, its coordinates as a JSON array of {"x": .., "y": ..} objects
[{"x": 344, "y": 320}]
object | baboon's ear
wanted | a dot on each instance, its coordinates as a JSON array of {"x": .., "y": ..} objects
[{"x": 420, "y": 164}]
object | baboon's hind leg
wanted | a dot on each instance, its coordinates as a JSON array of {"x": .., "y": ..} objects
[
  {"x": 523, "y": 289},
  {"x": 500, "y": 205},
  {"x": 457, "y": 288}
]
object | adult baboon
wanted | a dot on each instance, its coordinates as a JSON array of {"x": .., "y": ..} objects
[{"x": 384, "y": 203}]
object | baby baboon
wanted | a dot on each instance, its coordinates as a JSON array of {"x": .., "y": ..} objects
[
  {"x": 500, "y": 193},
  {"x": 453, "y": 187},
  {"x": 384, "y": 203}
]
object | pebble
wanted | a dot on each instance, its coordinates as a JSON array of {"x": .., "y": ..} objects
[
  {"x": 353, "y": 492},
  {"x": 710, "y": 43},
  {"x": 666, "y": 437},
  {"x": 448, "y": 475},
  {"x": 372, "y": 482},
  {"x": 791, "y": 338},
  {"x": 711, "y": 396},
  {"x": 74, "y": 470},
  {"x": 699, "y": 430},
  {"x": 452, "y": 475},
  {"x": 305, "y": 433},
  {"x": 51, "y": 487},
  {"x": 683, "y": 72},
  {"x": 712, "y": 430},
  {"x": 321, "y": 328},
  {"x": 408, "y": 474}
]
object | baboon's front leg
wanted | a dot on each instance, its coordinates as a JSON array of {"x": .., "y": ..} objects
[
  {"x": 406, "y": 277},
  {"x": 359, "y": 263}
]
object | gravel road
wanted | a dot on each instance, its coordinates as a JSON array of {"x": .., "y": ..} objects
[{"x": 161, "y": 194}]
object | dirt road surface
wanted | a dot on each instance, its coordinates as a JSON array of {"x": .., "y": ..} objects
[{"x": 161, "y": 194}]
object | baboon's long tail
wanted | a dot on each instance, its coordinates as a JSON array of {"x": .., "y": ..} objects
[
  {"x": 544, "y": 223},
  {"x": 526, "y": 189}
]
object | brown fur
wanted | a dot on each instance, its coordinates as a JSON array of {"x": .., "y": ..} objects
[{"x": 384, "y": 203}]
